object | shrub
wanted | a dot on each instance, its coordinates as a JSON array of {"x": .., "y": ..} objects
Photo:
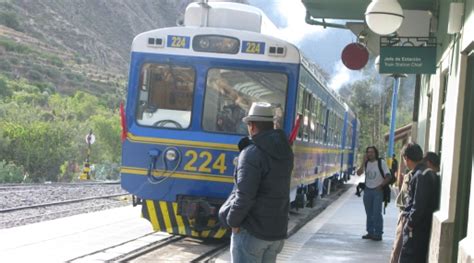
[
  {"x": 10, "y": 20},
  {"x": 55, "y": 60},
  {"x": 5, "y": 65},
  {"x": 5, "y": 91},
  {"x": 34, "y": 75},
  {"x": 106, "y": 171},
  {"x": 15, "y": 47},
  {"x": 11, "y": 173}
]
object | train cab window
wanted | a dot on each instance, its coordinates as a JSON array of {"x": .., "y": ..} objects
[
  {"x": 166, "y": 96},
  {"x": 230, "y": 93}
]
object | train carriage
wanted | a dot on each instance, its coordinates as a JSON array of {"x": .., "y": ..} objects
[{"x": 189, "y": 88}]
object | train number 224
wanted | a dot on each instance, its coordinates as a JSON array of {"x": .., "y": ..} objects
[{"x": 205, "y": 167}]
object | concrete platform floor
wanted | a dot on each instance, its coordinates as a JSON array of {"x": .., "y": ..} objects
[{"x": 336, "y": 235}]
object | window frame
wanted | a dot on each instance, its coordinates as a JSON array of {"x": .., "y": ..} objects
[
  {"x": 242, "y": 69},
  {"x": 139, "y": 90}
]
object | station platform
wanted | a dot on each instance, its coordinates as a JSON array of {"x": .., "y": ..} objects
[
  {"x": 63, "y": 239},
  {"x": 335, "y": 235}
]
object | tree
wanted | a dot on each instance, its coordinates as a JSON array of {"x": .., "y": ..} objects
[{"x": 41, "y": 147}]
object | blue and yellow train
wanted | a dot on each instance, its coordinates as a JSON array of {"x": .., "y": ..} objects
[{"x": 189, "y": 88}]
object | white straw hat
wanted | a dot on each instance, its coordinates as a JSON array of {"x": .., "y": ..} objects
[{"x": 260, "y": 111}]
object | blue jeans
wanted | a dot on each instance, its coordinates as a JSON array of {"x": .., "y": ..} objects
[
  {"x": 373, "y": 202},
  {"x": 246, "y": 248}
]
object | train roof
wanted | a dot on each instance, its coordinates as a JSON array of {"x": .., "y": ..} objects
[
  {"x": 159, "y": 41},
  {"x": 229, "y": 15}
]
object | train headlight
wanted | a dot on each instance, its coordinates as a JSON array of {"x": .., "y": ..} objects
[{"x": 171, "y": 155}]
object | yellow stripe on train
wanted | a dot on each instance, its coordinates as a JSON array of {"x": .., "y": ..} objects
[
  {"x": 180, "y": 175},
  {"x": 221, "y": 146},
  {"x": 186, "y": 143}
]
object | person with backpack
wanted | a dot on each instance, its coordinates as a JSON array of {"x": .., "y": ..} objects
[{"x": 377, "y": 177}]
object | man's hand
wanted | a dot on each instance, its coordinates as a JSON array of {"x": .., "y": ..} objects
[
  {"x": 235, "y": 230},
  {"x": 361, "y": 169},
  {"x": 410, "y": 231}
]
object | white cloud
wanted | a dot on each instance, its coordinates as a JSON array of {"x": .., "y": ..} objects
[
  {"x": 297, "y": 28},
  {"x": 344, "y": 75}
]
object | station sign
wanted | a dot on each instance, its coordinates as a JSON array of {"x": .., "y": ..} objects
[{"x": 407, "y": 55}]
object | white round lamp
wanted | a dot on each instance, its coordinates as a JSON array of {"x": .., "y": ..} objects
[{"x": 384, "y": 16}]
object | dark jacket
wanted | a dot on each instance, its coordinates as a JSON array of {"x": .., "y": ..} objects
[
  {"x": 262, "y": 184},
  {"x": 423, "y": 198}
]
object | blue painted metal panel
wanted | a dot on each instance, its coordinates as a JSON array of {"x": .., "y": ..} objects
[{"x": 195, "y": 173}]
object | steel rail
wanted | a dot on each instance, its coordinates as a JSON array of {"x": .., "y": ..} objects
[
  {"x": 213, "y": 253},
  {"x": 62, "y": 212},
  {"x": 147, "y": 249},
  {"x": 59, "y": 203},
  {"x": 123, "y": 258},
  {"x": 33, "y": 185}
]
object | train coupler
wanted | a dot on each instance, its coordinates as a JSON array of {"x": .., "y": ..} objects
[{"x": 199, "y": 210}]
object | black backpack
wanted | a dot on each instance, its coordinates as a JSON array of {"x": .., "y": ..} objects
[{"x": 387, "y": 192}]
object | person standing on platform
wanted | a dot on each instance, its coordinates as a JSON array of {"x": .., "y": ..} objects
[
  {"x": 401, "y": 201},
  {"x": 257, "y": 210},
  {"x": 431, "y": 160},
  {"x": 377, "y": 176},
  {"x": 423, "y": 196}
]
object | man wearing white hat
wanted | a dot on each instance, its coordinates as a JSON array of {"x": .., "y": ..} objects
[{"x": 257, "y": 209}]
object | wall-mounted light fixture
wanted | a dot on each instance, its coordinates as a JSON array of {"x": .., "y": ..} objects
[
  {"x": 456, "y": 11},
  {"x": 384, "y": 16}
]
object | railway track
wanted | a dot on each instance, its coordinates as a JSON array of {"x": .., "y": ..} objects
[
  {"x": 9, "y": 186},
  {"x": 182, "y": 250},
  {"x": 30, "y": 203},
  {"x": 166, "y": 248},
  {"x": 59, "y": 203}
]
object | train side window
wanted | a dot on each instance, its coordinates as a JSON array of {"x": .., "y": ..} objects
[
  {"x": 306, "y": 115},
  {"x": 300, "y": 109},
  {"x": 230, "y": 93},
  {"x": 166, "y": 96},
  {"x": 313, "y": 118},
  {"x": 328, "y": 128},
  {"x": 322, "y": 121}
]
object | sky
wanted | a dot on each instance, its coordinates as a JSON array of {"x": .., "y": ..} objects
[{"x": 322, "y": 45}]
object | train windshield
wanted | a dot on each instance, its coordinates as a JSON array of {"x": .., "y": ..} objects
[
  {"x": 166, "y": 96},
  {"x": 230, "y": 93}
]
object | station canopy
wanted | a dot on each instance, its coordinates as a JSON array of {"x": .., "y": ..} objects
[
  {"x": 353, "y": 14},
  {"x": 355, "y": 9}
]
